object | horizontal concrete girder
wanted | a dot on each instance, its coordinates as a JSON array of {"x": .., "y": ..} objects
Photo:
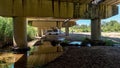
[{"x": 57, "y": 8}]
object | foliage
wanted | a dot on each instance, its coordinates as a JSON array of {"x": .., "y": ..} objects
[
  {"x": 80, "y": 28},
  {"x": 112, "y": 26},
  {"x": 31, "y": 32},
  {"x": 105, "y": 42},
  {"x": 65, "y": 41},
  {"x": 85, "y": 41},
  {"x": 6, "y": 30},
  {"x": 32, "y": 48},
  {"x": 110, "y": 42}
]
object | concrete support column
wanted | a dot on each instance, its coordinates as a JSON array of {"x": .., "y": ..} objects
[
  {"x": 57, "y": 24},
  {"x": 20, "y": 31},
  {"x": 66, "y": 29},
  {"x": 95, "y": 29},
  {"x": 20, "y": 38},
  {"x": 40, "y": 32}
]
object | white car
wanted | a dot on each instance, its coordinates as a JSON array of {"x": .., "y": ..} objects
[{"x": 52, "y": 32}]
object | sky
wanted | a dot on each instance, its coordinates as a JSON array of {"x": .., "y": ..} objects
[{"x": 116, "y": 17}]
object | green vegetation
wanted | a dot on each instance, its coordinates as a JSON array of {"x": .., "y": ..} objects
[
  {"x": 6, "y": 30},
  {"x": 31, "y": 32},
  {"x": 80, "y": 28},
  {"x": 112, "y": 26},
  {"x": 110, "y": 42},
  {"x": 105, "y": 42}
]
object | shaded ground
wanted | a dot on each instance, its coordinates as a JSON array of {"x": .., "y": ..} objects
[
  {"x": 115, "y": 36},
  {"x": 88, "y": 57},
  {"x": 80, "y": 36}
]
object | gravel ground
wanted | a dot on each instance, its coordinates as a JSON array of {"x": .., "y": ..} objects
[{"x": 88, "y": 57}]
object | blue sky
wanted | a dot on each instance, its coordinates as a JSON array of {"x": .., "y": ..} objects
[{"x": 116, "y": 17}]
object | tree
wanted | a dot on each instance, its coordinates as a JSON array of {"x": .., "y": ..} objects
[{"x": 112, "y": 26}]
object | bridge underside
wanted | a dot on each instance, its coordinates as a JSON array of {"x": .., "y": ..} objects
[{"x": 82, "y": 9}]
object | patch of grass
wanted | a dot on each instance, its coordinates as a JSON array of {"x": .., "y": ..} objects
[
  {"x": 32, "y": 49},
  {"x": 110, "y": 42}
]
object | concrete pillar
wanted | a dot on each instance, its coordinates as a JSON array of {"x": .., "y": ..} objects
[
  {"x": 95, "y": 29},
  {"x": 66, "y": 29},
  {"x": 40, "y": 32},
  {"x": 20, "y": 38},
  {"x": 57, "y": 23},
  {"x": 20, "y": 32}
]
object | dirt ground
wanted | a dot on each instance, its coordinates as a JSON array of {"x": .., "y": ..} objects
[
  {"x": 88, "y": 57},
  {"x": 79, "y": 36},
  {"x": 115, "y": 36},
  {"x": 105, "y": 34}
]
